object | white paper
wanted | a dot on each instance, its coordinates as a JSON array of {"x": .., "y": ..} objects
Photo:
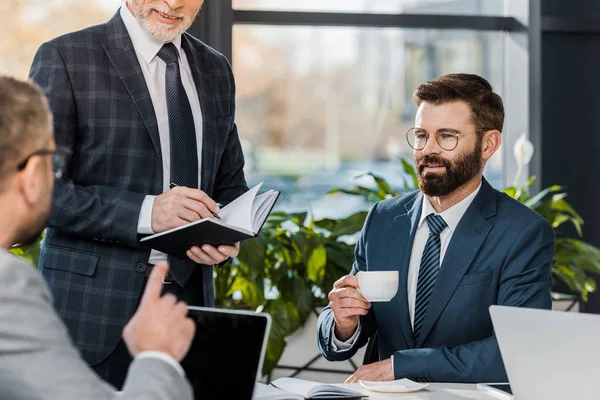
[
  {"x": 268, "y": 392},
  {"x": 239, "y": 211}
]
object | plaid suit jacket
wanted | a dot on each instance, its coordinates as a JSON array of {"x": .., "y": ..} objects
[{"x": 103, "y": 113}]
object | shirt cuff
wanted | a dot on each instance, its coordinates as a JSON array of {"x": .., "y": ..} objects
[
  {"x": 161, "y": 356},
  {"x": 145, "y": 220},
  {"x": 393, "y": 372},
  {"x": 339, "y": 346}
]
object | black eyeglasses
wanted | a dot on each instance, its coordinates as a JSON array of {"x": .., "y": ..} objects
[
  {"x": 447, "y": 139},
  {"x": 59, "y": 160}
]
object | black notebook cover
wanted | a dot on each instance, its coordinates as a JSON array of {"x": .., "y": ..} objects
[
  {"x": 207, "y": 231},
  {"x": 177, "y": 243}
]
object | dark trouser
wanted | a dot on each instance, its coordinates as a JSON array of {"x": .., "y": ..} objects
[{"x": 114, "y": 368}]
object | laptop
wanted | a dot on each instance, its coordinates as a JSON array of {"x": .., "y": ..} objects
[
  {"x": 550, "y": 355},
  {"x": 227, "y": 353}
]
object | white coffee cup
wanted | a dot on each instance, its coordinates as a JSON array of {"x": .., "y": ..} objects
[{"x": 378, "y": 285}]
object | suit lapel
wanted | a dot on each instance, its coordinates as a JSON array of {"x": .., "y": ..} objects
[
  {"x": 204, "y": 86},
  {"x": 121, "y": 54},
  {"x": 406, "y": 226},
  {"x": 466, "y": 241}
]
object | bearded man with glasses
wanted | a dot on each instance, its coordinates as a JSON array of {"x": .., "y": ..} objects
[{"x": 458, "y": 244}]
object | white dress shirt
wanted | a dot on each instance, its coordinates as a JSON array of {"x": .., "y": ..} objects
[
  {"x": 154, "y": 70},
  {"x": 452, "y": 217}
]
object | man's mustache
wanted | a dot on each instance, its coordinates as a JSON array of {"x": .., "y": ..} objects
[{"x": 428, "y": 160}]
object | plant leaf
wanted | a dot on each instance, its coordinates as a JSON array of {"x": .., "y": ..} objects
[
  {"x": 346, "y": 226},
  {"x": 532, "y": 202},
  {"x": 511, "y": 191},
  {"x": 410, "y": 170},
  {"x": 296, "y": 291},
  {"x": 252, "y": 258},
  {"x": 316, "y": 264},
  {"x": 253, "y": 292}
]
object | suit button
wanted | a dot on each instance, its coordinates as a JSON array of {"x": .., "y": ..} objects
[{"x": 141, "y": 267}]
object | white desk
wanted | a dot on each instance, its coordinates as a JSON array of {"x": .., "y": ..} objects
[{"x": 435, "y": 391}]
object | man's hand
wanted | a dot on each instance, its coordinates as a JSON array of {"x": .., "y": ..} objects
[
  {"x": 347, "y": 305},
  {"x": 378, "y": 371},
  {"x": 180, "y": 206},
  {"x": 210, "y": 256},
  {"x": 160, "y": 323}
]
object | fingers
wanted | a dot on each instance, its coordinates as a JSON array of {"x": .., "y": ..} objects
[
  {"x": 360, "y": 373},
  {"x": 197, "y": 208},
  {"x": 347, "y": 293},
  {"x": 186, "y": 215},
  {"x": 346, "y": 281},
  {"x": 206, "y": 255},
  {"x": 341, "y": 313},
  {"x": 230, "y": 251},
  {"x": 155, "y": 282},
  {"x": 169, "y": 299},
  {"x": 181, "y": 308},
  {"x": 199, "y": 196},
  {"x": 352, "y": 378}
]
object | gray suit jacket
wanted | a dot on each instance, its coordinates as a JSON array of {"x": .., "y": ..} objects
[
  {"x": 103, "y": 112},
  {"x": 38, "y": 360}
]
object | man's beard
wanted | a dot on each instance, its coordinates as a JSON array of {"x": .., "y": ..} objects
[
  {"x": 158, "y": 31},
  {"x": 457, "y": 173}
]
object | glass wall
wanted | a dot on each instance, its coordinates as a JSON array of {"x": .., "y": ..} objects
[
  {"x": 318, "y": 106},
  {"x": 29, "y": 23},
  {"x": 456, "y": 7}
]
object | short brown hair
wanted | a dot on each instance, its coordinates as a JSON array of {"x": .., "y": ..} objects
[
  {"x": 487, "y": 109},
  {"x": 24, "y": 119}
]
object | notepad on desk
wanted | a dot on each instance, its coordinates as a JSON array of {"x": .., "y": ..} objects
[
  {"x": 241, "y": 219},
  {"x": 292, "y": 388}
]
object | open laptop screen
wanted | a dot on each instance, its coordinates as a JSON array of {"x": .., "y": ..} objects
[{"x": 227, "y": 352}]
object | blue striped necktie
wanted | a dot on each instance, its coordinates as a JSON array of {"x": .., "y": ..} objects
[
  {"x": 428, "y": 272},
  {"x": 182, "y": 138}
]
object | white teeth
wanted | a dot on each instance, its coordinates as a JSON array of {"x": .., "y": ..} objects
[{"x": 167, "y": 16}]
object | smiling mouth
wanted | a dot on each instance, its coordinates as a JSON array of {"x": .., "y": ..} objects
[{"x": 167, "y": 16}]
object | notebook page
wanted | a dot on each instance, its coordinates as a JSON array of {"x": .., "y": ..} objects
[
  {"x": 239, "y": 211},
  {"x": 263, "y": 209},
  {"x": 268, "y": 392},
  {"x": 258, "y": 202},
  {"x": 298, "y": 386}
]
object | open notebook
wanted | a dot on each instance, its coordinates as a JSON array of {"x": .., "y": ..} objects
[
  {"x": 299, "y": 389},
  {"x": 241, "y": 219}
]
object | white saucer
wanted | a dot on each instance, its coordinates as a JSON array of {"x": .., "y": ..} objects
[{"x": 397, "y": 386}]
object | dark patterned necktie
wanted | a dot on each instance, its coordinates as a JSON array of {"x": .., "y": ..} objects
[
  {"x": 182, "y": 138},
  {"x": 428, "y": 272}
]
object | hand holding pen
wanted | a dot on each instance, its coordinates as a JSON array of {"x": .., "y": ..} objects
[
  {"x": 179, "y": 206},
  {"x": 173, "y": 185}
]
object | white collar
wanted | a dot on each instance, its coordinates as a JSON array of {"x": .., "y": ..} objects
[
  {"x": 147, "y": 46},
  {"x": 453, "y": 215}
]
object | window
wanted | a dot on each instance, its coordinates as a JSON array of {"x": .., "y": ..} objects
[
  {"x": 462, "y": 7},
  {"x": 317, "y": 106},
  {"x": 29, "y": 23}
]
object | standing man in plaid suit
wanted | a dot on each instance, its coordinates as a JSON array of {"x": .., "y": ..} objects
[{"x": 142, "y": 106}]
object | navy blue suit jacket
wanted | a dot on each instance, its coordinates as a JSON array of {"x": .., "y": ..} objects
[
  {"x": 104, "y": 114},
  {"x": 500, "y": 253}
]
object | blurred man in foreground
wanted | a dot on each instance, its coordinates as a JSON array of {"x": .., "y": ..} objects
[{"x": 37, "y": 358}]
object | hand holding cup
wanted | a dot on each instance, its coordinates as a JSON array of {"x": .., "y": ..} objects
[{"x": 347, "y": 304}]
